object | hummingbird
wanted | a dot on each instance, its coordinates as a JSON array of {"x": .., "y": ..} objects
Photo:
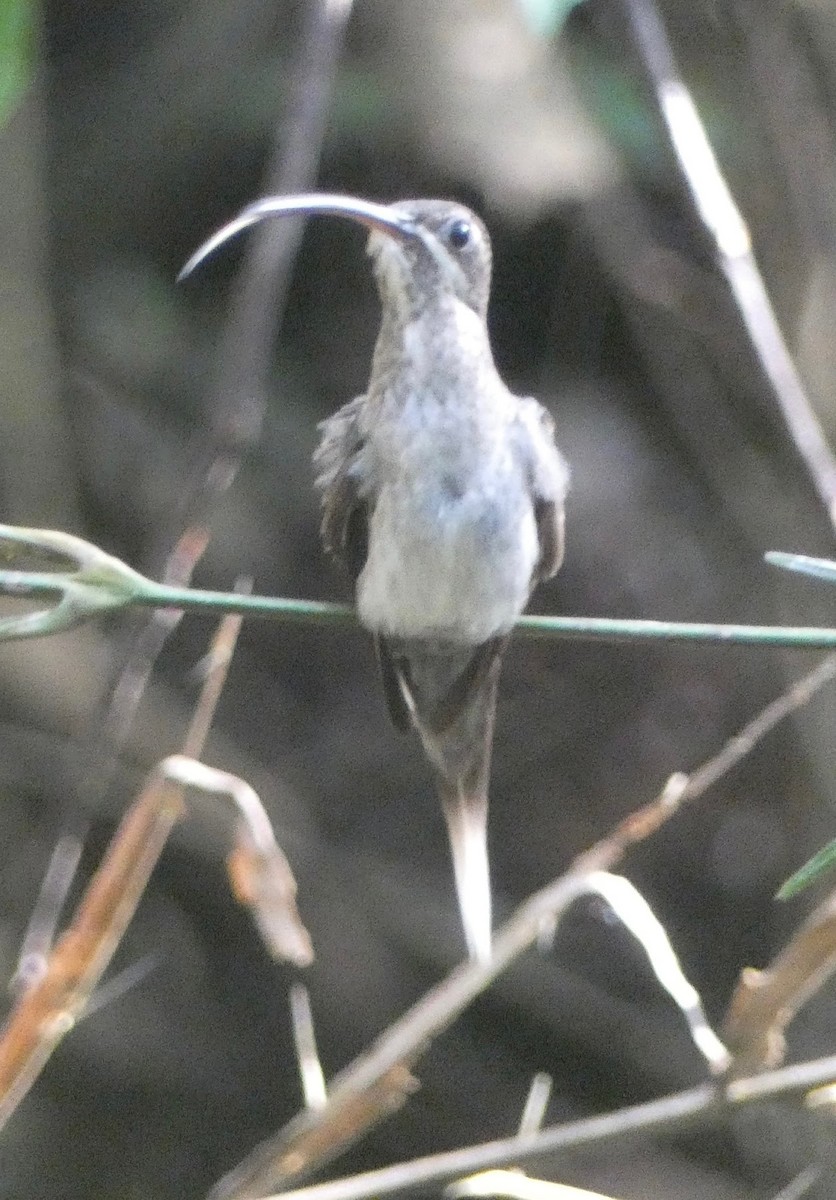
[{"x": 442, "y": 495}]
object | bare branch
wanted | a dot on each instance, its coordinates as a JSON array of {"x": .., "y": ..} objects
[
  {"x": 380, "y": 1080},
  {"x": 52, "y": 1006},
  {"x": 676, "y": 1113},
  {"x": 48, "y": 1011},
  {"x": 40, "y": 933},
  {"x": 635, "y": 913},
  {"x": 310, "y": 1068},
  {"x": 536, "y": 1103},
  {"x": 766, "y": 1001},
  {"x": 724, "y": 223},
  {"x": 259, "y": 873},
  {"x": 310, "y": 1140},
  {"x": 681, "y": 789}
]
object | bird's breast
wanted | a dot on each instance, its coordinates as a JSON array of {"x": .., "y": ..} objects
[{"x": 452, "y": 536}]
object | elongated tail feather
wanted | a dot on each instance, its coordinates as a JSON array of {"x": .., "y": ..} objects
[
  {"x": 466, "y": 815},
  {"x": 449, "y": 691}
]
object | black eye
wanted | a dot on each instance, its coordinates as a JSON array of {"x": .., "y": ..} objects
[{"x": 458, "y": 235}]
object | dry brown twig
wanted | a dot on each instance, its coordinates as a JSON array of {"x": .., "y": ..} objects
[
  {"x": 766, "y": 1001},
  {"x": 381, "y": 1080},
  {"x": 672, "y": 1114},
  {"x": 47, "y": 1011}
]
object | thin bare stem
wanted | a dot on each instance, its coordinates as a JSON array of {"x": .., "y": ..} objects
[
  {"x": 766, "y": 1001},
  {"x": 725, "y": 225},
  {"x": 681, "y": 788},
  {"x": 310, "y": 1068},
  {"x": 40, "y": 933},
  {"x": 109, "y": 585},
  {"x": 235, "y": 407},
  {"x": 635, "y": 914},
  {"x": 217, "y": 668},
  {"x": 676, "y": 1113},
  {"x": 536, "y": 1103},
  {"x": 258, "y": 299},
  {"x": 259, "y": 873},
  {"x": 49, "y": 1009},
  {"x": 380, "y": 1080},
  {"x": 121, "y": 983}
]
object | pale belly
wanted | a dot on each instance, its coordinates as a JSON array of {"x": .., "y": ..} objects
[{"x": 447, "y": 565}]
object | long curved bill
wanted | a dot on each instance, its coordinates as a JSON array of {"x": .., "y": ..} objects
[{"x": 374, "y": 216}]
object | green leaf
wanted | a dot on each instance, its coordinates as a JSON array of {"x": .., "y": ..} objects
[
  {"x": 809, "y": 873},
  {"x": 17, "y": 20}
]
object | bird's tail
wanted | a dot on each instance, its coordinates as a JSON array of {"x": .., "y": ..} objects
[
  {"x": 466, "y": 814},
  {"x": 451, "y": 694}
]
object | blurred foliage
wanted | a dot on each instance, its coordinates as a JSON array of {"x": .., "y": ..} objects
[{"x": 16, "y": 52}]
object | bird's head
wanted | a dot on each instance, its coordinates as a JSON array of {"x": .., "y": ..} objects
[{"x": 446, "y": 252}]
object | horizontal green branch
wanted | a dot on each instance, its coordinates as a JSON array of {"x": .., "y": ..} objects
[{"x": 101, "y": 583}]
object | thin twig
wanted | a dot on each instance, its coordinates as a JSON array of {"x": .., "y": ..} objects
[
  {"x": 672, "y": 1114},
  {"x": 235, "y": 407},
  {"x": 121, "y": 983},
  {"x": 217, "y": 668},
  {"x": 766, "y": 1001},
  {"x": 725, "y": 225},
  {"x": 40, "y": 933},
  {"x": 681, "y": 788},
  {"x": 258, "y": 297},
  {"x": 310, "y": 1140},
  {"x": 635, "y": 914},
  {"x": 536, "y": 1103},
  {"x": 48, "y": 1011},
  {"x": 259, "y": 873},
  {"x": 310, "y": 1068},
  {"x": 380, "y": 1080},
  {"x": 50, "y": 1008}
]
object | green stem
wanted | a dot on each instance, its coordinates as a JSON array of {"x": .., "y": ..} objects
[
  {"x": 606, "y": 629},
  {"x": 146, "y": 593}
]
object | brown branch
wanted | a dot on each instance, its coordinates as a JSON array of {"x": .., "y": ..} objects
[
  {"x": 50, "y": 1008},
  {"x": 681, "y": 789},
  {"x": 314, "y": 1137},
  {"x": 766, "y": 1001},
  {"x": 674, "y": 1114}
]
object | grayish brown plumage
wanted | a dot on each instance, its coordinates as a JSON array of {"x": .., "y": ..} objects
[{"x": 443, "y": 496}]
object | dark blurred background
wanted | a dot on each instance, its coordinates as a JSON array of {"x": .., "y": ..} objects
[{"x": 139, "y": 128}]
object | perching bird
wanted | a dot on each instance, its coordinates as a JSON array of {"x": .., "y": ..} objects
[{"x": 443, "y": 495}]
